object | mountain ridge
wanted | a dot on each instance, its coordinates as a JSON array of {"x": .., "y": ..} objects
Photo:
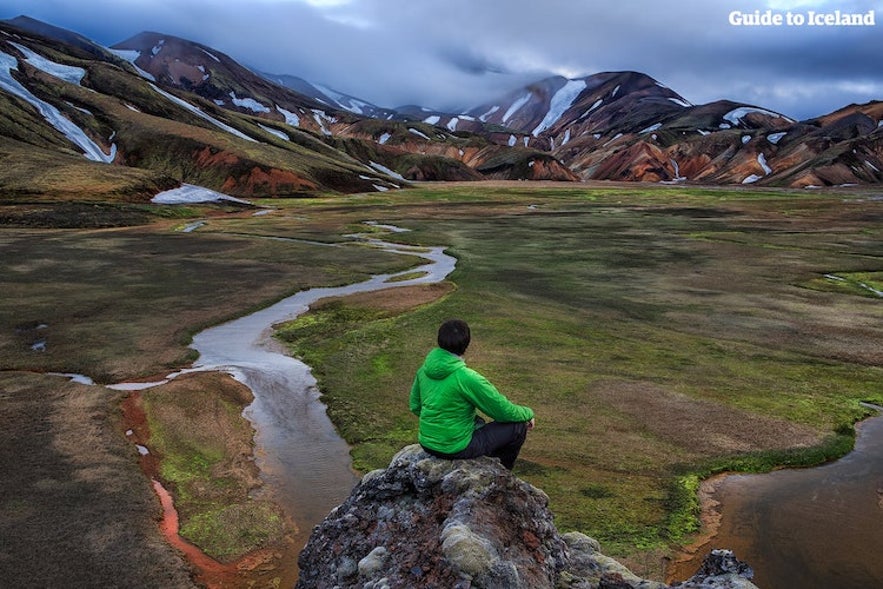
[{"x": 607, "y": 126}]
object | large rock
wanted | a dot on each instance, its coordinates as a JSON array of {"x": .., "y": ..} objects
[{"x": 426, "y": 522}]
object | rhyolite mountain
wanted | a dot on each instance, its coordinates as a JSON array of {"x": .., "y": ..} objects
[
  {"x": 628, "y": 126},
  {"x": 172, "y": 110}
]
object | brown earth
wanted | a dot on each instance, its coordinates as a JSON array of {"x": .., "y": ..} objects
[
  {"x": 75, "y": 510},
  {"x": 702, "y": 427},
  {"x": 405, "y": 299}
]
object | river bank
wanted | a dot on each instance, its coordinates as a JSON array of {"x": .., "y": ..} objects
[
  {"x": 813, "y": 528},
  {"x": 198, "y": 452}
]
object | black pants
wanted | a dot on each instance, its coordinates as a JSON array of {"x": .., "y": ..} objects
[{"x": 499, "y": 440}]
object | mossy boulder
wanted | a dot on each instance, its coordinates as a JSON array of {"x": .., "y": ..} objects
[{"x": 427, "y": 522}]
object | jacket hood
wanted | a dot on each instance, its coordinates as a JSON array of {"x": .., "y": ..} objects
[{"x": 439, "y": 364}]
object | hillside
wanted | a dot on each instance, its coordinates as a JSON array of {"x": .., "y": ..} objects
[
  {"x": 182, "y": 112},
  {"x": 628, "y": 126}
]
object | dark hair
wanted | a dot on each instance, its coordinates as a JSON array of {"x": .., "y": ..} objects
[{"x": 454, "y": 336}]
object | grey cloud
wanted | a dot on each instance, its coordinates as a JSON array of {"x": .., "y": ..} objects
[{"x": 451, "y": 53}]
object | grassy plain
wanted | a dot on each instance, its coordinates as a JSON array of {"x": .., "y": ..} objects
[{"x": 661, "y": 333}]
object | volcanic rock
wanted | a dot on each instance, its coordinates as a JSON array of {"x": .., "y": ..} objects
[{"x": 428, "y": 522}]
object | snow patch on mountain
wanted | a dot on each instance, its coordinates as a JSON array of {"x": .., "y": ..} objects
[
  {"x": 211, "y": 55},
  {"x": 131, "y": 55},
  {"x": 290, "y": 118},
  {"x": 275, "y": 132},
  {"x": 432, "y": 120},
  {"x": 515, "y": 107},
  {"x": 192, "y": 194},
  {"x": 598, "y": 103},
  {"x": 68, "y": 73},
  {"x": 321, "y": 117},
  {"x": 387, "y": 171},
  {"x": 483, "y": 118},
  {"x": 761, "y": 159},
  {"x": 679, "y": 101},
  {"x": 249, "y": 103},
  {"x": 767, "y": 170},
  {"x": 52, "y": 115},
  {"x": 735, "y": 116},
  {"x": 418, "y": 133},
  {"x": 202, "y": 115},
  {"x": 344, "y": 101},
  {"x": 559, "y": 104},
  {"x": 774, "y": 138}
]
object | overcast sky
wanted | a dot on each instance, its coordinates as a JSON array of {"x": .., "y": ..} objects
[{"x": 456, "y": 54}]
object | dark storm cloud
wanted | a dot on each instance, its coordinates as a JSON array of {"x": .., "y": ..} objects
[{"x": 457, "y": 53}]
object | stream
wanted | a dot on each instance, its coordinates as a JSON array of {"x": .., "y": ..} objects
[
  {"x": 304, "y": 464},
  {"x": 814, "y": 528}
]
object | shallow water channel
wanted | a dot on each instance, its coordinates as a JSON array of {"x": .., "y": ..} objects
[
  {"x": 304, "y": 464},
  {"x": 816, "y": 528}
]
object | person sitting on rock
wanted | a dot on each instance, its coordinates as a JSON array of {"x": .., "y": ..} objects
[{"x": 445, "y": 396}]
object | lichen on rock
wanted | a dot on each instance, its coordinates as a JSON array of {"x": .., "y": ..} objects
[{"x": 428, "y": 522}]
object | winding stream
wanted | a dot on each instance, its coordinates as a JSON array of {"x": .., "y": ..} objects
[{"x": 304, "y": 463}]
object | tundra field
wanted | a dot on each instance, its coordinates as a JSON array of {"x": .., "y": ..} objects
[{"x": 662, "y": 334}]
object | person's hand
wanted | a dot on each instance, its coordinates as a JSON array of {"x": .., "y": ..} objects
[{"x": 531, "y": 424}]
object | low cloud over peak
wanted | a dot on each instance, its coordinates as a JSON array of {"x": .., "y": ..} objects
[{"x": 440, "y": 54}]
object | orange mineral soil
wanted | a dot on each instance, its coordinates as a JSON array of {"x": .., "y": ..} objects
[{"x": 208, "y": 571}]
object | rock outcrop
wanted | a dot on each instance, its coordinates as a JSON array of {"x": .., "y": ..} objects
[{"x": 426, "y": 522}]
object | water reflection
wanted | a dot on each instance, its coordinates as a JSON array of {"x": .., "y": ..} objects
[
  {"x": 303, "y": 461},
  {"x": 811, "y": 528}
]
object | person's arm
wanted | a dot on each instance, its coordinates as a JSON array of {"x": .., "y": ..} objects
[
  {"x": 415, "y": 403},
  {"x": 492, "y": 402}
]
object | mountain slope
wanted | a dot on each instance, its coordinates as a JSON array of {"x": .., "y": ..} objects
[
  {"x": 331, "y": 98},
  {"x": 190, "y": 113},
  {"x": 58, "y": 96},
  {"x": 627, "y": 126}
]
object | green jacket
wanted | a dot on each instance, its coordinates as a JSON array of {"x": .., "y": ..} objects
[{"x": 445, "y": 395}]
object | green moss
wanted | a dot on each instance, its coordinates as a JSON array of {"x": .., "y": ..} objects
[
  {"x": 684, "y": 508},
  {"x": 407, "y": 276},
  {"x": 864, "y": 284},
  {"x": 228, "y": 531}
]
